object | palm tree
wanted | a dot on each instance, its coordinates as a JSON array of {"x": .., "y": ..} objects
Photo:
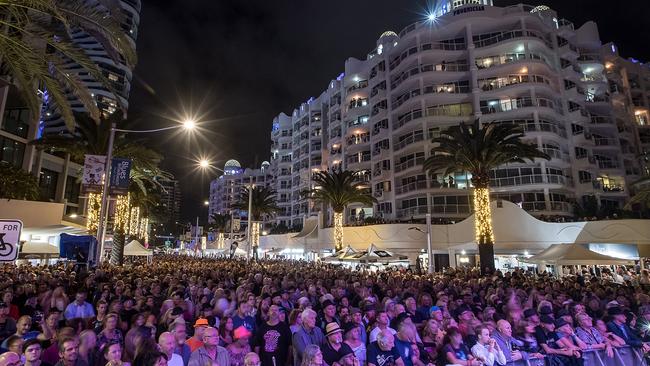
[
  {"x": 478, "y": 149},
  {"x": 36, "y": 50},
  {"x": 263, "y": 204},
  {"x": 338, "y": 189},
  {"x": 642, "y": 195},
  {"x": 92, "y": 139},
  {"x": 17, "y": 184}
]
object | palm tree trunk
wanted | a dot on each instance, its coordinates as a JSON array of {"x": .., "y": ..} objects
[
  {"x": 255, "y": 238},
  {"x": 117, "y": 252},
  {"x": 338, "y": 231},
  {"x": 483, "y": 228}
]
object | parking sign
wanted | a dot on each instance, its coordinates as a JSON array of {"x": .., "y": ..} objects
[{"x": 9, "y": 239}]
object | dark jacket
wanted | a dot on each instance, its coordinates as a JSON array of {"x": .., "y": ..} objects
[{"x": 624, "y": 331}]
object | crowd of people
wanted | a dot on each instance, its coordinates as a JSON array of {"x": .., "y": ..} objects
[{"x": 186, "y": 311}]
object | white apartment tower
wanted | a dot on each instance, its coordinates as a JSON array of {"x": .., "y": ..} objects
[{"x": 518, "y": 64}]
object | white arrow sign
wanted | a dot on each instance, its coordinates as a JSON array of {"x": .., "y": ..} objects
[{"x": 9, "y": 239}]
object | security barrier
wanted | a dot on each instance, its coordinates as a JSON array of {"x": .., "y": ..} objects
[{"x": 623, "y": 356}]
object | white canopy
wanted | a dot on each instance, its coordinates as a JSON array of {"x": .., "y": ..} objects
[
  {"x": 376, "y": 255},
  {"x": 573, "y": 254},
  {"x": 135, "y": 249},
  {"x": 39, "y": 247},
  {"x": 346, "y": 252}
]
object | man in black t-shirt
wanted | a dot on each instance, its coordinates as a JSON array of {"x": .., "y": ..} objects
[{"x": 272, "y": 339}]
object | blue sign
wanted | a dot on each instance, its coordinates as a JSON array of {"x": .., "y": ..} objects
[{"x": 120, "y": 171}]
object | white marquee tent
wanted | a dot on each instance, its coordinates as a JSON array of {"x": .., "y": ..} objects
[{"x": 572, "y": 255}]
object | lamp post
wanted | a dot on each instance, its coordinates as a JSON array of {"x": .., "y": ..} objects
[
  {"x": 188, "y": 124},
  {"x": 250, "y": 216},
  {"x": 430, "y": 268}
]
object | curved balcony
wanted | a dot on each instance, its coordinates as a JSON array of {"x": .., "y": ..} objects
[
  {"x": 450, "y": 88},
  {"x": 450, "y": 45},
  {"x": 417, "y": 162},
  {"x": 497, "y": 83},
  {"x": 524, "y": 180},
  {"x": 411, "y": 187},
  {"x": 410, "y": 140},
  {"x": 418, "y": 69},
  {"x": 489, "y": 39}
]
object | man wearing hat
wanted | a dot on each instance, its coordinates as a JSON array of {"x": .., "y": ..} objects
[
  {"x": 196, "y": 340},
  {"x": 334, "y": 346},
  {"x": 532, "y": 316},
  {"x": 618, "y": 327},
  {"x": 548, "y": 339},
  {"x": 348, "y": 358},
  {"x": 328, "y": 315}
]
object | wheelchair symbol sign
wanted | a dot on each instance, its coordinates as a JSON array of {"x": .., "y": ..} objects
[{"x": 9, "y": 239}]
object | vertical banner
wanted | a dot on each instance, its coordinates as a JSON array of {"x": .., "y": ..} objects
[
  {"x": 120, "y": 171},
  {"x": 93, "y": 174}
]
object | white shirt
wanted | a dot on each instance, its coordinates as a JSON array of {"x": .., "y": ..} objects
[
  {"x": 374, "y": 332},
  {"x": 481, "y": 352},
  {"x": 176, "y": 360}
]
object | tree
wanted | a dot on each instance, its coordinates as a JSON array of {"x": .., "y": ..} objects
[
  {"x": 263, "y": 204},
  {"x": 17, "y": 184},
  {"x": 338, "y": 189},
  {"x": 219, "y": 222},
  {"x": 641, "y": 197},
  {"x": 37, "y": 49},
  {"x": 92, "y": 139},
  {"x": 478, "y": 149}
]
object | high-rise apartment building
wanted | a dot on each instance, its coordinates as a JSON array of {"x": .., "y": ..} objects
[
  {"x": 517, "y": 64},
  {"x": 227, "y": 188},
  {"x": 118, "y": 73},
  {"x": 170, "y": 200}
]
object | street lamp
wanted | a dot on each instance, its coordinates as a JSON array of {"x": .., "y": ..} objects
[
  {"x": 204, "y": 163},
  {"x": 430, "y": 268},
  {"x": 188, "y": 125}
]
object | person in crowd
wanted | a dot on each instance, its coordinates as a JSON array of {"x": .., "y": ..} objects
[
  {"x": 273, "y": 339},
  {"x": 487, "y": 349},
  {"x": 591, "y": 336},
  {"x": 196, "y": 340},
  {"x": 240, "y": 347},
  {"x": 10, "y": 359},
  {"x": 88, "y": 348},
  {"x": 69, "y": 353},
  {"x": 352, "y": 337},
  {"x": 383, "y": 351},
  {"x": 455, "y": 351},
  {"x": 150, "y": 358},
  {"x": 7, "y": 323},
  {"x": 32, "y": 350},
  {"x": 179, "y": 330},
  {"x": 328, "y": 315},
  {"x": 508, "y": 344},
  {"x": 210, "y": 352},
  {"x": 15, "y": 344},
  {"x": 167, "y": 344},
  {"x": 526, "y": 335},
  {"x": 226, "y": 329},
  {"x": 80, "y": 308},
  {"x": 308, "y": 334},
  {"x": 110, "y": 332},
  {"x": 381, "y": 324},
  {"x": 334, "y": 345},
  {"x": 113, "y": 354},
  {"x": 568, "y": 340},
  {"x": 252, "y": 359},
  {"x": 619, "y": 327},
  {"x": 548, "y": 338},
  {"x": 312, "y": 356}
]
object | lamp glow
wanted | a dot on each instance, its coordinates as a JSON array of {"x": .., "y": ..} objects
[
  {"x": 431, "y": 17},
  {"x": 483, "y": 219},
  {"x": 204, "y": 163},
  {"x": 338, "y": 231},
  {"x": 189, "y": 124},
  {"x": 206, "y": 202}
]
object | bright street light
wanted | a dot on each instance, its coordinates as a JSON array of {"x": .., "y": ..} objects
[
  {"x": 189, "y": 124},
  {"x": 206, "y": 203},
  {"x": 204, "y": 163}
]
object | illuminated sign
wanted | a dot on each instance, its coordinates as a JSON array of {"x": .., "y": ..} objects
[{"x": 469, "y": 9}]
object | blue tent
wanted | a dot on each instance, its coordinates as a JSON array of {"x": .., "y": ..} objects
[{"x": 69, "y": 245}]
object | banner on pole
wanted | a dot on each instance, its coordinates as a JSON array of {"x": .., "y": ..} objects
[
  {"x": 120, "y": 172},
  {"x": 93, "y": 174}
]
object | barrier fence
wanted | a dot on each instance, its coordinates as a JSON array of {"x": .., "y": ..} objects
[{"x": 623, "y": 356}]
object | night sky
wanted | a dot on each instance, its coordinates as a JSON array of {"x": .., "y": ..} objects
[{"x": 237, "y": 64}]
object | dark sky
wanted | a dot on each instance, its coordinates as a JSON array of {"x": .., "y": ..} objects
[{"x": 236, "y": 64}]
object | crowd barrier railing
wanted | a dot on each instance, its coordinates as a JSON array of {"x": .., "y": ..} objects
[{"x": 623, "y": 356}]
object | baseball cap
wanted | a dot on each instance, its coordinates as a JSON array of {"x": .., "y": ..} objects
[
  {"x": 529, "y": 312},
  {"x": 434, "y": 308},
  {"x": 201, "y": 322}
]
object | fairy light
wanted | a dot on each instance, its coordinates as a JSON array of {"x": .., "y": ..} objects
[
  {"x": 92, "y": 213},
  {"x": 143, "y": 230},
  {"x": 338, "y": 230},
  {"x": 221, "y": 241},
  {"x": 255, "y": 234},
  {"x": 122, "y": 208},
  {"x": 134, "y": 226},
  {"x": 483, "y": 216}
]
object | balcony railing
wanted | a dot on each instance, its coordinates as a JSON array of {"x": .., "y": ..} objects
[
  {"x": 504, "y": 36},
  {"x": 411, "y": 187},
  {"x": 408, "y": 164},
  {"x": 408, "y": 141}
]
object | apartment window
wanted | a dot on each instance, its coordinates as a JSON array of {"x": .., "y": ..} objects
[
  {"x": 47, "y": 183},
  {"x": 16, "y": 121},
  {"x": 72, "y": 190},
  {"x": 585, "y": 177},
  {"x": 11, "y": 151}
]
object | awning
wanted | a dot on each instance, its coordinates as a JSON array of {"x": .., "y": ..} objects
[
  {"x": 310, "y": 229},
  {"x": 37, "y": 247},
  {"x": 135, "y": 249},
  {"x": 574, "y": 254}
]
